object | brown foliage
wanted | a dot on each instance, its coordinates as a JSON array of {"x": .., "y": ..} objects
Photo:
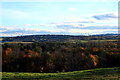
[
  {"x": 95, "y": 60},
  {"x": 8, "y": 51}
]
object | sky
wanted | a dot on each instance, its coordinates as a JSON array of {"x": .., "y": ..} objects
[{"x": 52, "y": 17}]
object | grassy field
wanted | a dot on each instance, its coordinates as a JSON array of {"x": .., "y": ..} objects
[{"x": 92, "y": 74}]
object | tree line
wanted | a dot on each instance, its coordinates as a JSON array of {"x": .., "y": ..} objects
[{"x": 58, "y": 56}]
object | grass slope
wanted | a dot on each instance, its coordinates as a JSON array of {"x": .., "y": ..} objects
[{"x": 92, "y": 74}]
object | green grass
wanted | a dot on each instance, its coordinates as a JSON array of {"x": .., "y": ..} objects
[{"x": 92, "y": 74}]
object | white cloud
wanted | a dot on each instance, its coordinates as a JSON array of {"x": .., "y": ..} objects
[
  {"x": 13, "y": 34},
  {"x": 70, "y": 31},
  {"x": 106, "y": 16},
  {"x": 91, "y": 32},
  {"x": 72, "y": 9},
  {"x": 9, "y": 31}
]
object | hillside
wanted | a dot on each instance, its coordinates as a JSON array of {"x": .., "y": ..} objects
[
  {"x": 42, "y": 38},
  {"x": 93, "y": 74}
]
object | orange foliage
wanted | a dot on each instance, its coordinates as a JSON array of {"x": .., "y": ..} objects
[
  {"x": 115, "y": 44},
  {"x": 30, "y": 53},
  {"x": 8, "y": 51},
  {"x": 95, "y": 60},
  {"x": 114, "y": 49},
  {"x": 27, "y": 55},
  {"x": 82, "y": 48},
  {"x": 94, "y": 49}
]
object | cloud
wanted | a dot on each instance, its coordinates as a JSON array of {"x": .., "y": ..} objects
[
  {"x": 91, "y": 32},
  {"x": 71, "y": 19},
  {"x": 12, "y": 31},
  {"x": 84, "y": 21},
  {"x": 69, "y": 26},
  {"x": 83, "y": 25},
  {"x": 72, "y": 9},
  {"x": 106, "y": 16},
  {"x": 65, "y": 32},
  {"x": 64, "y": 25},
  {"x": 99, "y": 27}
]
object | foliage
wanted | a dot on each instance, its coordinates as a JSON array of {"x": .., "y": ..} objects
[{"x": 59, "y": 56}]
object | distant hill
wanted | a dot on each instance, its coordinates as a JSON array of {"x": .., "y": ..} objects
[
  {"x": 42, "y": 38},
  {"x": 107, "y": 35}
]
